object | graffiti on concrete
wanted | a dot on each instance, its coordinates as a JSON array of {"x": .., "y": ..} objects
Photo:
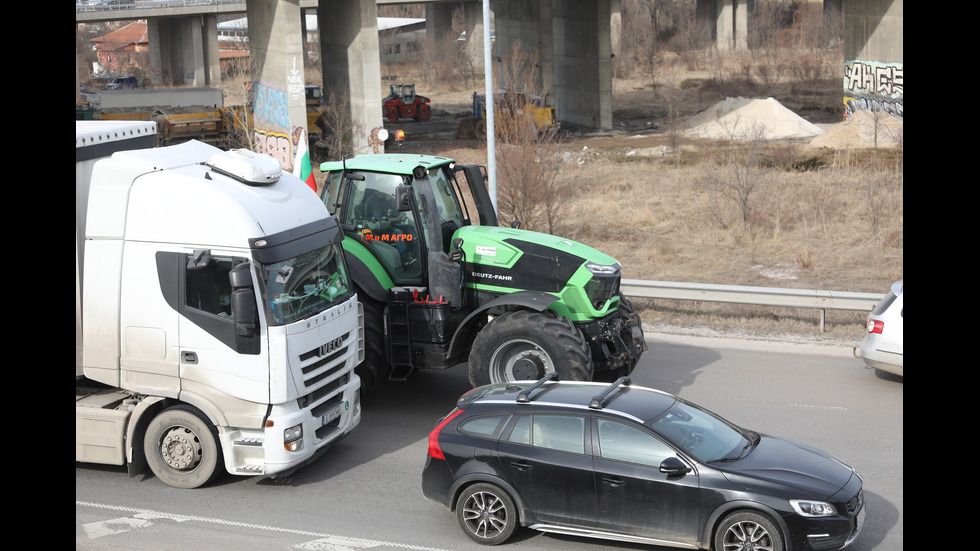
[
  {"x": 874, "y": 86},
  {"x": 277, "y": 145},
  {"x": 271, "y": 107}
]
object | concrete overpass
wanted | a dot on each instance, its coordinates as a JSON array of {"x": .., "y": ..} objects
[{"x": 574, "y": 39}]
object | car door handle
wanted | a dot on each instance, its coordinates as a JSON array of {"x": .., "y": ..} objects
[
  {"x": 520, "y": 465},
  {"x": 188, "y": 357},
  {"x": 614, "y": 481}
]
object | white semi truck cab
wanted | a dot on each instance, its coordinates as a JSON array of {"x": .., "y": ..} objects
[{"x": 216, "y": 325}]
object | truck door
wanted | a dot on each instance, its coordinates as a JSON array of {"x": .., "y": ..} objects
[{"x": 212, "y": 351}]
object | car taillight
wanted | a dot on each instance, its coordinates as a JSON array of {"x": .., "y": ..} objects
[
  {"x": 875, "y": 326},
  {"x": 435, "y": 451}
]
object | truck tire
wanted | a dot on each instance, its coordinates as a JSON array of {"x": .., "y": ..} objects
[
  {"x": 182, "y": 448},
  {"x": 375, "y": 367},
  {"x": 525, "y": 345}
]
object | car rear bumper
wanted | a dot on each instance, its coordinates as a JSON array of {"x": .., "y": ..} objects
[
  {"x": 879, "y": 359},
  {"x": 437, "y": 479}
]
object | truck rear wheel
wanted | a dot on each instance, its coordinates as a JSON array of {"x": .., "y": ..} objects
[
  {"x": 525, "y": 345},
  {"x": 182, "y": 448}
]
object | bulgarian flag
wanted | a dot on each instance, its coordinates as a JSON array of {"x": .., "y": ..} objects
[{"x": 302, "y": 167}]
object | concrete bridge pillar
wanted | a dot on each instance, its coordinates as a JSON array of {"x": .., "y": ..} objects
[
  {"x": 474, "y": 25},
  {"x": 278, "y": 78},
  {"x": 350, "y": 55},
  {"x": 184, "y": 51}
]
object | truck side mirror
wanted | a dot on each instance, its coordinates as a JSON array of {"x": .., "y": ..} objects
[{"x": 244, "y": 312}]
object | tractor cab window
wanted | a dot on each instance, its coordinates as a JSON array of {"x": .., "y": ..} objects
[
  {"x": 392, "y": 235},
  {"x": 451, "y": 216}
]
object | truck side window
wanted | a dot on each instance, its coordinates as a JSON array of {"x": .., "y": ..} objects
[{"x": 208, "y": 289}]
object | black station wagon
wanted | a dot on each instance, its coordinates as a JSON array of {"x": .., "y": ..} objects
[{"x": 632, "y": 464}]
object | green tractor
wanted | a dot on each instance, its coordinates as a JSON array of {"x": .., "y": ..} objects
[{"x": 439, "y": 288}]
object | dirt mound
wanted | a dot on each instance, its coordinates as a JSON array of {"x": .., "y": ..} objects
[
  {"x": 862, "y": 129},
  {"x": 745, "y": 119}
]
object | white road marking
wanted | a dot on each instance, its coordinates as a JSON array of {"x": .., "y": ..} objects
[{"x": 143, "y": 518}]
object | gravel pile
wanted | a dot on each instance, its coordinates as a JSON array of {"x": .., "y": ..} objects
[{"x": 750, "y": 119}]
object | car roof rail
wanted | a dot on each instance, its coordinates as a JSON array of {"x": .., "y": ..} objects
[
  {"x": 600, "y": 400},
  {"x": 523, "y": 397}
]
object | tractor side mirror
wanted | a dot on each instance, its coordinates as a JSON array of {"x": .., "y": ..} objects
[{"x": 403, "y": 198}]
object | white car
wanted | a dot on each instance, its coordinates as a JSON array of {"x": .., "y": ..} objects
[{"x": 882, "y": 347}]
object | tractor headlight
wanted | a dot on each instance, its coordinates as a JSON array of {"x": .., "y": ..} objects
[{"x": 601, "y": 269}]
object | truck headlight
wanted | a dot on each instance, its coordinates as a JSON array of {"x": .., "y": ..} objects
[
  {"x": 293, "y": 438},
  {"x": 809, "y": 508}
]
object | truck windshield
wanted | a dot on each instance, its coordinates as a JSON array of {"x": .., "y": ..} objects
[{"x": 300, "y": 287}]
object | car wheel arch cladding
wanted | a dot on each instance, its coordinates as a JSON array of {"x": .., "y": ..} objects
[
  {"x": 460, "y": 485},
  {"x": 719, "y": 514}
]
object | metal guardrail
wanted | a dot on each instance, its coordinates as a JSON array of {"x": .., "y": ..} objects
[{"x": 759, "y": 296}]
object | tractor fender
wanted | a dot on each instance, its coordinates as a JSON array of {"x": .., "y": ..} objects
[
  {"x": 364, "y": 278},
  {"x": 533, "y": 300}
]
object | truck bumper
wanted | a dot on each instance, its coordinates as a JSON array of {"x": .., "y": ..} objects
[{"x": 294, "y": 437}]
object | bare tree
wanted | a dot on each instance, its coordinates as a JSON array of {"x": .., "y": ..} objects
[
  {"x": 337, "y": 125},
  {"x": 736, "y": 173},
  {"x": 529, "y": 151}
]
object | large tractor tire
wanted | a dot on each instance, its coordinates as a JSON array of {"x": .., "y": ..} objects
[
  {"x": 525, "y": 345},
  {"x": 423, "y": 112},
  {"x": 375, "y": 367}
]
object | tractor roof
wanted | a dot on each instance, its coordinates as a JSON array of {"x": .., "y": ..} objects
[{"x": 391, "y": 163}]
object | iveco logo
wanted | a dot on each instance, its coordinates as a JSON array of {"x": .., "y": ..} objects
[{"x": 331, "y": 346}]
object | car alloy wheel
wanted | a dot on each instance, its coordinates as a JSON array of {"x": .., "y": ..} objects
[
  {"x": 486, "y": 513},
  {"x": 748, "y": 531}
]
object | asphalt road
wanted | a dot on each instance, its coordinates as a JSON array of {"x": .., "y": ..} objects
[{"x": 365, "y": 493}]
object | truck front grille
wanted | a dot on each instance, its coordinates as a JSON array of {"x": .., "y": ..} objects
[{"x": 324, "y": 361}]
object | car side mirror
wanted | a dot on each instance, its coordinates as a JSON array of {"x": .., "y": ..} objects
[{"x": 673, "y": 466}]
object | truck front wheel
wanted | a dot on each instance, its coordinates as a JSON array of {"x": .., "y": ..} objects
[
  {"x": 182, "y": 448},
  {"x": 524, "y": 345}
]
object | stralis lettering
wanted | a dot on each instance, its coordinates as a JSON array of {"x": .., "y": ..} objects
[{"x": 493, "y": 276}]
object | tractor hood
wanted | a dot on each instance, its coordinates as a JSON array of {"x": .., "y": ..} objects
[{"x": 521, "y": 259}]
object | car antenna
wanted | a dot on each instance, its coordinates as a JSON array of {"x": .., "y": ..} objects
[{"x": 523, "y": 398}]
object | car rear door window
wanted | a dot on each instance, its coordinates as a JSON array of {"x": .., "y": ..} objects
[{"x": 555, "y": 432}]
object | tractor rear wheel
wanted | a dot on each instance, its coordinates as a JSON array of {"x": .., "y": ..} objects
[{"x": 525, "y": 345}]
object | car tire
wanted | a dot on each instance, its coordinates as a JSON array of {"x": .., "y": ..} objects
[
  {"x": 486, "y": 513},
  {"x": 745, "y": 530},
  {"x": 524, "y": 346}
]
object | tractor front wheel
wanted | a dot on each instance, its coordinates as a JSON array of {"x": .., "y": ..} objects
[{"x": 524, "y": 345}]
